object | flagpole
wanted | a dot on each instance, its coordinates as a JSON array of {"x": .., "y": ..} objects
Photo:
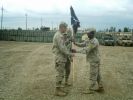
[
  {"x": 73, "y": 57},
  {"x": 75, "y": 24}
]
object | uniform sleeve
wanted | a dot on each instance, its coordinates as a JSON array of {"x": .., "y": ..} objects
[
  {"x": 69, "y": 46},
  {"x": 68, "y": 43},
  {"x": 91, "y": 46},
  {"x": 62, "y": 47}
]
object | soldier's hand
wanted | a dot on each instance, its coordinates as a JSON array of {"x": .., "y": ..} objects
[
  {"x": 73, "y": 51},
  {"x": 74, "y": 42}
]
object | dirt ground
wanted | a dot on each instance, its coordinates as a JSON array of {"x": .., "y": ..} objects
[{"x": 27, "y": 73}]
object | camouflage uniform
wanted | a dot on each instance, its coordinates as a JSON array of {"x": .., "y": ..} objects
[
  {"x": 93, "y": 57},
  {"x": 68, "y": 44},
  {"x": 61, "y": 57}
]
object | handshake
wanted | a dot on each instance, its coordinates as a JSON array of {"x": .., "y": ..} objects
[
  {"x": 72, "y": 39},
  {"x": 73, "y": 51}
]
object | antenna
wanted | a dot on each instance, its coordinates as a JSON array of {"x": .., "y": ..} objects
[
  {"x": 41, "y": 21},
  {"x": 2, "y": 17},
  {"x": 26, "y": 20}
]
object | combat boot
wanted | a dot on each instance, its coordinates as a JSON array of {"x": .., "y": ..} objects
[
  {"x": 88, "y": 91},
  {"x": 67, "y": 83},
  {"x": 91, "y": 89},
  {"x": 100, "y": 88},
  {"x": 59, "y": 92}
]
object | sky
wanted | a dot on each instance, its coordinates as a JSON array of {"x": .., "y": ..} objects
[{"x": 100, "y": 14}]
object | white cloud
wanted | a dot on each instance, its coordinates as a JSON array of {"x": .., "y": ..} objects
[
  {"x": 62, "y": 6},
  {"x": 36, "y": 5},
  {"x": 102, "y": 10}
]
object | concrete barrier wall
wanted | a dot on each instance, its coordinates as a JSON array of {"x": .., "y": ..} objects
[{"x": 30, "y": 36}]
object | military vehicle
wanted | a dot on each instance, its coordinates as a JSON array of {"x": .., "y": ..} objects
[
  {"x": 125, "y": 40},
  {"x": 108, "y": 40}
]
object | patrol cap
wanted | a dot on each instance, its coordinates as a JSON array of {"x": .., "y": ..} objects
[
  {"x": 91, "y": 30},
  {"x": 65, "y": 33},
  {"x": 63, "y": 24}
]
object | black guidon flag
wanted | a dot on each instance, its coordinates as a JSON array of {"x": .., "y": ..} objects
[{"x": 74, "y": 20}]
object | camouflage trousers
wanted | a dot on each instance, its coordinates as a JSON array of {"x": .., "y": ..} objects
[
  {"x": 62, "y": 71},
  {"x": 95, "y": 75}
]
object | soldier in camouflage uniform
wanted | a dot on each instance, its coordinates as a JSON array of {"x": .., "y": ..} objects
[
  {"x": 91, "y": 49},
  {"x": 61, "y": 57}
]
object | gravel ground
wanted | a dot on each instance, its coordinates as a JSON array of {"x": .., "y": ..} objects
[{"x": 27, "y": 73}]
